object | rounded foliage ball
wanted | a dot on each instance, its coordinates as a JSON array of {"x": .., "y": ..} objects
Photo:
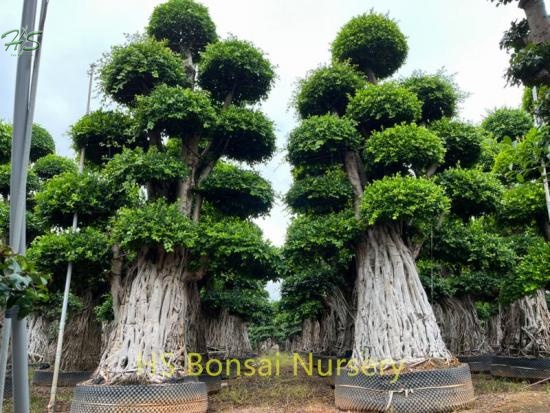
[
  {"x": 42, "y": 143},
  {"x": 175, "y": 111},
  {"x": 103, "y": 134},
  {"x": 328, "y": 90},
  {"x": 438, "y": 94},
  {"x": 330, "y": 192},
  {"x": 51, "y": 165},
  {"x": 184, "y": 24},
  {"x": 33, "y": 183},
  {"x": 235, "y": 71},
  {"x": 373, "y": 42},
  {"x": 237, "y": 192},
  {"x": 322, "y": 140},
  {"x": 383, "y": 106},
  {"x": 524, "y": 203},
  {"x": 472, "y": 192},
  {"x": 508, "y": 123},
  {"x": 402, "y": 199},
  {"x": 401, "y": 148},
  {"x": 462, "y": 142},
  {"x": 247, "y": 135},
  {"x": 137, "y": 68}
]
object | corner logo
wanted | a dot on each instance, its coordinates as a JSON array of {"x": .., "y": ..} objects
[{"x": 21, "y": 41}]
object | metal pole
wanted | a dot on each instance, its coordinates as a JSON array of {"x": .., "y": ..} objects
[
  {"x": 19, "y": 162},
  {"x": 62, "y": 321}
]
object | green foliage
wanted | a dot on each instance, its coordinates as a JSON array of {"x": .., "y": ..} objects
[
  {"x": 51, "y": 165},
  {"x": 104, "y": 311},
  {"x": 237, "y": 192},
  {"x": 237, "y": 69},
  {"x": 20, "y": 284},
  {"x": 529, "y": 65},
  {"x": 516, "y": 37},
  {"x": 462, "y": 141},
  {"x": 373, "y": 42},
  {"x": 437, "y": 285},
  {"x": 88, "y": 249},
  {"x": 541, "y": 107},
  {"x": 33, "y": 184},
  {"x": 137, "y": 68},
  {"x": 322, "y": 140},
  {"x": 137, "y": 166},
  {"x": 327, "y": 90},
  {"x": 52, "y": 309},
  {"x": 532, "y": 274},
  {"x": 103, "y": 134},
  {"x": 184, "y": 24},
  {"x": 490, "y": 150},
  {"x": 89, "y": 194},
  {"x": 402, "y": 147},
  {"x": 155, "y": 224},
  {"x": 35, "y": 225},
  {"x": 330, "y": 192},
  {"x": 438, "y": 93},
  {"x": 507, "y": 123},
  {"x": 523, "y": 203},
  {"x": 403, "y": 199},
  {"x": 383, "y": 106},
  {"x": 247, "y": 299},
  {"x": 244, "y": 135},
  {"x": 42, "y": 143},
  {"x": 175, "y": 111},
  {"x": 320, "y": 240},
  {"x": 5, "y": 142},
  {"x": 472, "y": 192},
  {"x": 234, "y": 245}
]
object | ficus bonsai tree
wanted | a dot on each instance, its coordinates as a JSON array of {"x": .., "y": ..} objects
[
  {"x": 187, "y": 101},
  {"x": 387, "y": 161}
]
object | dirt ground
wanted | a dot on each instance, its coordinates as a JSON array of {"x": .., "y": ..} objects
[{"x": 289, "y": 394}]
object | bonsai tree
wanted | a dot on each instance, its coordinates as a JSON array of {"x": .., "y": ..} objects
[
  {"x": 174, "y": 238},
  {"x": 388, "y": 161}
]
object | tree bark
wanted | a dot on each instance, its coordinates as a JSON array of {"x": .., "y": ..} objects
[
  {"x": 147, "y": 341},
  {"x": 538, "y": 19},
  {"x": 394, "y": 319},
  {"x": 39, "y": 339},
  {"x": 228, "y": 334},
  {"x": 526, "y": 327},
  {"x": 82, "y": 344},
  {"x": 462, "y": 331}
]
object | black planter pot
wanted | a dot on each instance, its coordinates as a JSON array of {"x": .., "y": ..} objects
[
  {"x": 478, "y": 364},
  {"x": 430, "y": 391},
  {"x": 520, "y": 367},
  {"x": 185, "y": 396}
]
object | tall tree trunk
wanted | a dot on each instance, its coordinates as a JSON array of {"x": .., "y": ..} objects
[
  {"x": 309, "y": 339},
  {"x": 147, "y": 341},
  {"x": 494, "y": 332},
  {"x": 82, "y": 343},
  {"x": 538, "y": 19},
  {"x": 39, "y": 339},
  {"x": 394, "y": 319},
  {"x": 195, "y": 329},
  {"x": 462, "y": 331},
  {"x": 227, "y": 333},
  {"x": 526, "y": 327}
]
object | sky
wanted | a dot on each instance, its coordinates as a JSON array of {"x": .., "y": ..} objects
[{"x": 461, "y": 36}]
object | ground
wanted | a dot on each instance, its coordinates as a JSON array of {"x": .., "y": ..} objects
[{"x": 289, "y": 394}]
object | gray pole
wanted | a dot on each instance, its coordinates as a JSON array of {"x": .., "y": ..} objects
[
  {"x": 61, "y": 332},
  {"x": 544, "y": 173},
  {"x": 18, "y": 182}
]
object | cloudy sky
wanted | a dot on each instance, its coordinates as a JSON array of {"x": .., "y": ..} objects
[{"x": 459, "y": 35}]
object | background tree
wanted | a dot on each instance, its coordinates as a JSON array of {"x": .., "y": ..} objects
[{"x": 188, "y": 98}]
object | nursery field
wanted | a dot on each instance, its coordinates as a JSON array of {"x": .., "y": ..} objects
[{"x": 290, "y": 394}]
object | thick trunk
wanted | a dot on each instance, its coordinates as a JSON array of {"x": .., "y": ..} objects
[
  {"x": 147, "y": 342},
  {"x": 460, "y": 326},
  {"x": 494, "y": 331},
  {"x": 194, "y": 321},
  {"x": 526, "y": 327},
  {"x": 538, "y": 19},
  {"x": 82, "y": 343},
  {"x": 39, "y": 339},
  {"x": 309, "y": 340},
  {"x": 227, "y": 334},
  {"x": 394, "y": 319}
]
